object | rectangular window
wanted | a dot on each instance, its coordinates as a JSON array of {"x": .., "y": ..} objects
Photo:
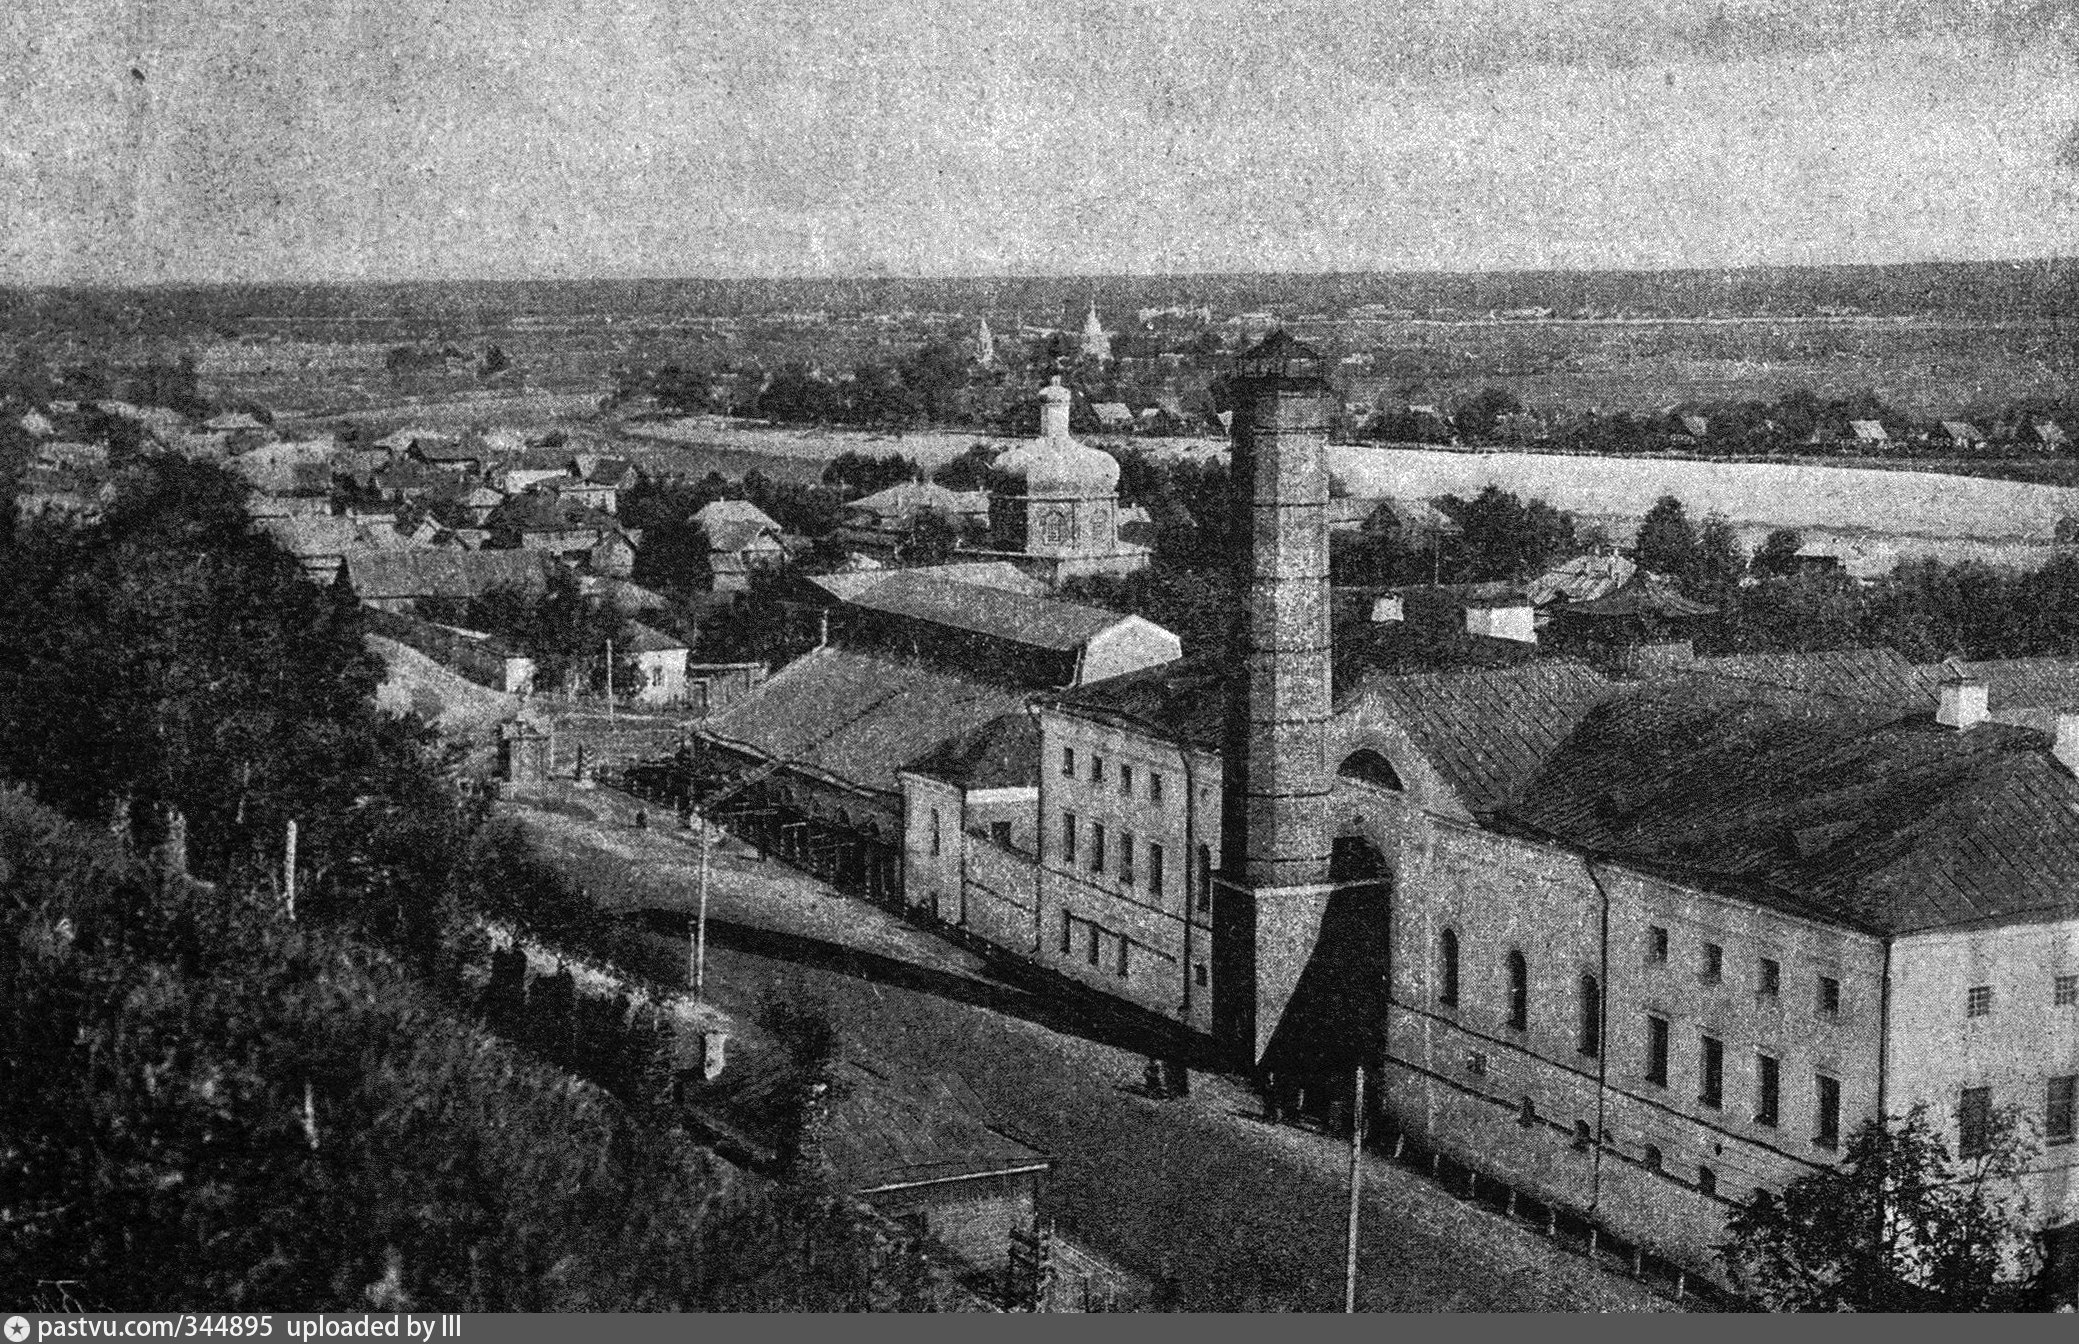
[
  {"x": 1068, "y": 837},
  {"x": 1656, "y": 943},
  {"x": 1068, "y": 931},
  {"x": 2064, "y": 991},
  {"x": 934, "y": 833},
  {"x": 1126, "y": 858},
  {"x": 1155, "y": 871},
  {"x": 1123, "y": 945},
  {"x": 2057, "y": 1109},
  {"x": 1827, "y": 1134},
  {"x": 1198, "y": 973},
  {"x": 1097, "y": 769},
  {"x": 1978, "y": 1001},
  {"x": 1711, "y": 1070},
  {"x": 1768, "y": 1091},
  {"x": 1713, "y": 969},
  {"x": 1068, "y": 762},
  {"x": 1973, "y": 1121},
  {"x": 1657, "y": 1051},
  {"x": 1096, "y": 937},
  {"x": 1770, "y": 981},
  {"x": 1155, "y": 788},
  {"x": 1126, "y": 780},
  {"x": 1000, "y": 832},
  {"x": 1096, "y": 846},
  {"x": 1829, "y": 996}
]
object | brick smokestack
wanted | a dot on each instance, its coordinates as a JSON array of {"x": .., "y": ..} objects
[{"x": 1274, "y": 810}]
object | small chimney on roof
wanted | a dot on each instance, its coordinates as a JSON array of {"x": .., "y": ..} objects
[{"x": 1963, "y": 702}]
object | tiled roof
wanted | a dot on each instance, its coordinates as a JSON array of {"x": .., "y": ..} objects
[
  {"x": 977, "y": 609},
  {"x": 1839, "y": 809},
  {"x": 1002, "y": 754},
  {"x": 857, "y": 717},
  {"x": 1487, "y": 733},
  {"x": 1879, "y": 676}
]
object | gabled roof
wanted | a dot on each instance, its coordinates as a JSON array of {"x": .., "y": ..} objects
[
  {"x": 639, "y": 638},
  {"x": 1183, "y": 700},
  {"x": 1486, "y": 732},
  {"x": 1871, "y": 431},
  {"x": 733, "y": 511},
  {"x": 1841, "y": 810},
  {"x": 734, "y": 537},
  {"x": 859, "y": 717},
  {"x": 1640, "y": 598},
  {"x": 1581, "y": 579},
  {"x": 1962, "y": 431},
  {"x": 906, "y": 499}
]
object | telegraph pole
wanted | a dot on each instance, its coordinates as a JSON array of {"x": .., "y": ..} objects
[
  {"x": 700, "y": 924},
  {"x": 609, "y": 681},
  {"x": 289, "y": 870},
  {"x": 1356, "y": 1186}
]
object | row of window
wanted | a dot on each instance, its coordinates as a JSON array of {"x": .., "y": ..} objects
[
  {"x": 1097, "y": 775},
  {"x": 1094, "y": 939},
  {"x": 2064, "y": 993},
  {"x": 1975, "y": 1127},
  {"x": 1768, "y": 1082},
  {"x": 1100, "y": 856},
  {"x": 1768, "y": 972}
]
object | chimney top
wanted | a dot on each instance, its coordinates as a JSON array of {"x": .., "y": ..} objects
[
  {"x": 1955, "y": 672},
  {"x": 1281, "y": 358}
]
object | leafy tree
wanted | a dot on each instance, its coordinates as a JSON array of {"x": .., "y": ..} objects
[
  {"x": 933, "y": 539},
  {"x": 1478, "y": 415},
  {"x": 1501, "y": 537},
  {"x": 1777, "y": 554},
  {"x": 858, "y": 474},
  {"x": 1899, "y": 1225},
  {"x": 1667, "y": 540},
  {"x": 1718, "y": 562},
  {"x": 970, "y": 471},
  {"x": 1196, "y": 604}
]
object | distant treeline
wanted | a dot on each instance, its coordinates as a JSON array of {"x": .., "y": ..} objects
[{"x": 1985, "y": 289}]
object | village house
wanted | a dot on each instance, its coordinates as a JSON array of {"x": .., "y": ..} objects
[
  {"x": 400, "y": 580},
  {"x": 538, "y": 521},
  {"x": 741, "y": 539},
  {"x": 659, "y": 659}
]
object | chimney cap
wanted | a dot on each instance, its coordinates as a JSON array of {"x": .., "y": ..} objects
[
  {"x": 1280, "y": 357},
  {"x": 1956, "y": 673}
]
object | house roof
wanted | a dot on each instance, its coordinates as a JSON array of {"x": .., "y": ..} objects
[
  {"x": 1962, "y": 431},
  {"x": 1639, "y": 598},
  {"x": 906, "y": 499},
  {"x": 310, "y": 537},
  {"x": 733, "y": 537},
  {"x": 378, "y": 575},
  {"x": 1001, "y": 754},
  {"x": 2017, "y": 686},
  {"x": 1015, "y": 618},
  {"x": 1185, "y": 700},
  {"x": 1871, "y": 431},
  {"x": 1851, "y": 811},
  {"x": 639, "y": 638},
  {"x": 1872, "y": 676},
  {"x": 1581, "y": 579},
  {"x": 447, "y": 450},
  {"x": 858, "y": 717},
  {"x": 535, "y": 511},
  {"x": 1486, "y": 732},
  {"x": 733, "y": 511}
]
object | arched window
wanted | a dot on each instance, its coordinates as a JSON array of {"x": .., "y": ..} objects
[
  {"x": 1519, "y": 991},
  {"x": 1582, "y": 1140},
  {"x": 1591, "y": 1016},
  {"x": 1053, "y": 530},
  {"x": 1652, "y": 1157},
  {"x": 1447, "y": 970},
  {"x": 1369, "y": 767},
  {"x": 1706, "y": 1181}
]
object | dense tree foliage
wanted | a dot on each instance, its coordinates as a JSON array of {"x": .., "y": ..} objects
[{"x": 1899, "y": 1225}]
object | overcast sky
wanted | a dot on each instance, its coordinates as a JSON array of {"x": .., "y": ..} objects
[{"x": 338, "y": 139}]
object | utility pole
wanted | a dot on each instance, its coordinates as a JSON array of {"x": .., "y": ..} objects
[
  {"x": 700, "y": 924},
  {"x": 289, "y": 870},
  {"x": 1356, "y": 1186},
  {"x": 609, "y": 681}
]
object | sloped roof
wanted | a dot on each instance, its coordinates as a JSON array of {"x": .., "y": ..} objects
[
  {"x": 2016, "y": 685},
  {"x": 639, "y": 638},
  {"x": 1869, "y": 430},
  {"x": 1962, "y": 431},
  {"x": 734, "y": 511},
  {"x": 1185, "y": 700},
  {"x": 1001, "y": 754},
  {"x": 910, "y": 497},
  {"x": 1012, "y": 617},
  {"x": 984, "y": 573},
  {"x": 534, "y": 511},
  {"x": 1842, "y": 810},
  {"x": 1639, "y": 598},
  {"x": 1486, "y": 732},
  {"x": 732, "y": 537},
  {"x": 1581, "y": 579},
  {"x": 1874, "y": 676},
  {"x": 378, "y": 575},
  {"x": 316, "y": 536},
  {"x": 859, "y": 717}
]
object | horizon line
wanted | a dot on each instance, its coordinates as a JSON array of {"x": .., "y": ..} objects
[{"x": 871, "y": 277}]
